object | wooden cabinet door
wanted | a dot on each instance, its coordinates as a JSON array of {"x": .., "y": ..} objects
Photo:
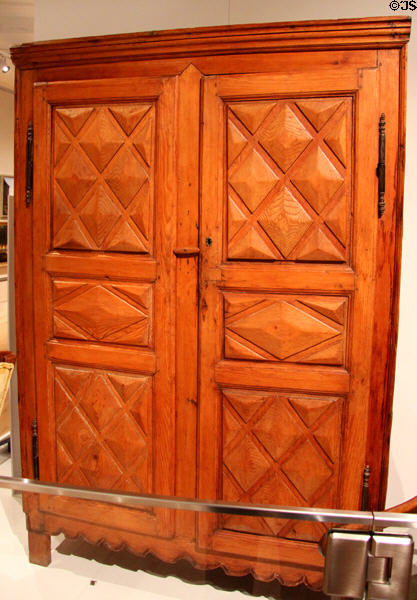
[
  {"x": 104, "y": 301},
  {"x": 288, "y": 239}
]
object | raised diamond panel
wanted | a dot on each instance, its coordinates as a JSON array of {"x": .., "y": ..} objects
[
  {"x": 285, "y": 221},
  {"x": 235, "y": 142},
  {"x": 279, "y": 327},
  {"x": 245, "y": 404},
  {"x": 101, "y": 139},
  {"x": 236, "y": 218},
  {"x": 289, "y": 180},
  {"x": 280, "y": 449},
  {"x": 61, "y": 144},
  {"x": 102, "y": 403},
  {"x": 317, "y": 179},
  {"x": 74, "y": 118},
  {"x": 337, "y": 220},
  {"x": 76, "y": 434},
  {"x": 104, "y": 178},
  {"x": 75, "y": 176},
  {"x": 276, "y": 490},
  {"x": 253, "y": 179},
  {"x": 319, "y": 247},
  {"x": 125, "y": 239},
  {"x": 128, "y": 116},
  {"x": 125, "y": 176},
  {"x": 100, "y": 468},
  {"x": 318, "y": 112},
  {"x": 103, "y": 312},
  {"x": 142, "y": 138},
  {"x": 285, "y": 137},
  {"x": 246, "y": 462},
  {"x": 306, "y": 469},
  {"x": 97, "y": 414},
  {"x": 337, "y": 139},
  {"x": 99, "y": 204},
  {"x": 282, "y": 329},
  {"x": 252, "y": 246},
  {"x": 115, "y": 438},
  {"x": 252, "y": 113},
  {"x": 277, "y": 430}
]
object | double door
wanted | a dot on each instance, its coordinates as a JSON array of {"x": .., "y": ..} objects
[{"x": 204, "y": 271}]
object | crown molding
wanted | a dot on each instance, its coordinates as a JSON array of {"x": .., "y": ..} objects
[{"x": 378, "y": 32}]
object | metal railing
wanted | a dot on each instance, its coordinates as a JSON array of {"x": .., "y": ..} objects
[{"x": 370, "y": 519}]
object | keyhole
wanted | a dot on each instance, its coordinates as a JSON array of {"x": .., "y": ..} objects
[{"x": 209, "y": 241}]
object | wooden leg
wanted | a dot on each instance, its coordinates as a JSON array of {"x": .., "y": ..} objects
[{"x": 39, "y": 548}]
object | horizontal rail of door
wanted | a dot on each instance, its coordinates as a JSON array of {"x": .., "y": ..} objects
[{"x": 369, "y": 519}]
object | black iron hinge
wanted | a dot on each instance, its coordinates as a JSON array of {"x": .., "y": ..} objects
[
  {"x": 35, "y": 449},
  {"x": 380, "y": 170},
  {"x": 29, "y": 164},
  {"x": 365, "y": 487}
]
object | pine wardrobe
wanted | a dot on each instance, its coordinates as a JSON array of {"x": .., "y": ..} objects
[{"x": 208, "y": 229}]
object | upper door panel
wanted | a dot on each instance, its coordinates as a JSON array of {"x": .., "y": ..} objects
[
  {"x": 104, "y": 177},
  {"x": 289, "y": 179}
]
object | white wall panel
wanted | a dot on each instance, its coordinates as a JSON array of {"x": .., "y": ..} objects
[{"x": 6, "y": 130}]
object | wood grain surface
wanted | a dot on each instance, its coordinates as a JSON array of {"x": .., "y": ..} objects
[{"x": 207, "y": 302}]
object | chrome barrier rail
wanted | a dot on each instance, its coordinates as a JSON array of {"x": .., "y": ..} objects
[
  {"x": 369, "y": 519},
  {"x": 358, "y": 563}
]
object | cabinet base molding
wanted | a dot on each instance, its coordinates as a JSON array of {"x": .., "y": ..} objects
[{"x": 173, "y": 550}]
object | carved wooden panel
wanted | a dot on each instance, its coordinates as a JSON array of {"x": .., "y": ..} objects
[
  {"x": 289, "y": 179},
  {"x": 278, "y": 327},
  {"x": 280, "y": 449},
  {"x": 96, "y": 413},
  {"x": 103, "y": 177},
  {"x": 102, "y": 311}
]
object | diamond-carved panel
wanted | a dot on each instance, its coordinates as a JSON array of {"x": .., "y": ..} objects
[
  {"x": 285, "y": 221},
  {"x": 277, "y": 430},
  {"x": 75, "y": 176},
  {"x": 103, "y": 312},
  {"x": 126, "y": 430},
  {"x": 104, "y": 178},
  {"x": 306, "y": 469},
  {"x": 100, "y": 441},
  {"x": 74, "y": 118},
  {"x": 289, "y": 180},
  {"x": 285, "y": 138},
  {"x": 101, "y": 204},
  {"x": 318, "y": 180},
  {"x": 100, "y": 139},
  {"x": 275, "y": 450},
  {"x": 61, "y": 144},
  {"x": 101, "y": 404},
  {"x": 253, "y": 179},
  {"x": 100, "y": 468},
  {"x": 250, "y": 469},
  {"x": 278, "y": 327},
  {"x": 251, "y": 114},
  {"x": 126, "y": 176}
]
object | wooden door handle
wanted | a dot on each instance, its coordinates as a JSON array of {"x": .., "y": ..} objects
[{"x": 186, "y": 251}]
